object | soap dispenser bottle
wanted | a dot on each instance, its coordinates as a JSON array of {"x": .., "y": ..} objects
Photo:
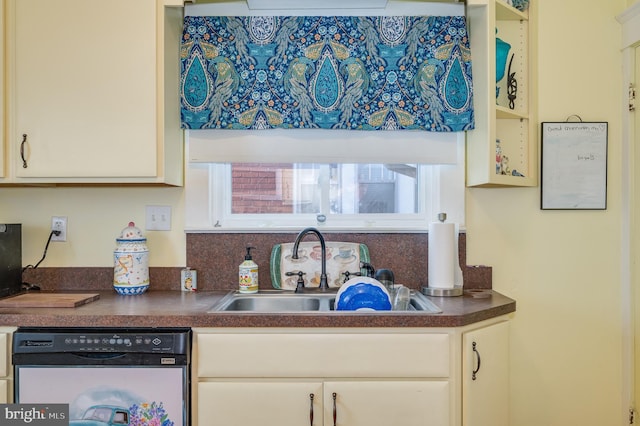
[{"x": 248, "y": 274}]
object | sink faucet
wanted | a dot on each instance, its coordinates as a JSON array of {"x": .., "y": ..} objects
[{"x": 324, "y": 286}]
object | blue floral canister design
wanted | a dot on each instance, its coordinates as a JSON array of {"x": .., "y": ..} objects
[
  {"x": 521, "y": 5},
  {"x": 131, "y": 262}
]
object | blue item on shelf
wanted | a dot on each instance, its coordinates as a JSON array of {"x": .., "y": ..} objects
[
  {"x": 502, "y": 51},
  {"x": 521, "y": 5}
]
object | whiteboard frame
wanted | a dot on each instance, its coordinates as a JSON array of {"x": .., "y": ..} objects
[{"x": 558, "y": 138}]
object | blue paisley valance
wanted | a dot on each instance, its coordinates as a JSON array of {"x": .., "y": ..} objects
[{"x": 339, "y": 72}]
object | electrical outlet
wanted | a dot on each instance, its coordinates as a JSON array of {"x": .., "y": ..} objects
[
  {"x": 59, "y": 223},
  {"x": 158, "y": 218}
]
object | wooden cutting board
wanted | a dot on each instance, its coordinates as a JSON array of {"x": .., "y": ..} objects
[{"x": 48, "y": 300}]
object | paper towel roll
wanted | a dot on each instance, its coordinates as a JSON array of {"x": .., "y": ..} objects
[
  {"x": 459, "y": 279},
  {"x": 443, "y": 255}
]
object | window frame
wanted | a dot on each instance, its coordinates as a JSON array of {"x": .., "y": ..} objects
[{"x": 208, "y": 203}]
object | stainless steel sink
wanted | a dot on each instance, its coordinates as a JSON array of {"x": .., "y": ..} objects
[
  {"x": 272, "y": 304},
  {"x": 288, "y": 301},
  {"x": 273, "y": 301},
  {"x": 420, "y": 302}
]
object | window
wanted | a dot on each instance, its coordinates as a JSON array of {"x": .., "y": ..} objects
[
  {"x": 243, "y": 196},
  {"x": 323, "y": 189}
]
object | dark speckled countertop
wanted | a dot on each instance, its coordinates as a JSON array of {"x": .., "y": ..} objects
[{"x": 182, "y": 309}]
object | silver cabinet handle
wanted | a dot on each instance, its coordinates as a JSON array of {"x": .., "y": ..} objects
[{"x": 475, "y": 371}]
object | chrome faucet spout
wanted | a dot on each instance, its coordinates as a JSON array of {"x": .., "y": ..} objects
[{"x": 324, "y": 285}]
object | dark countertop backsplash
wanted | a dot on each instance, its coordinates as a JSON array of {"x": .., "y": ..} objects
[{"x": 216, "y": 257}]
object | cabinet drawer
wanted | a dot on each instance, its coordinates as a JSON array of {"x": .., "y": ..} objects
[{"x": 323, "y": 355}]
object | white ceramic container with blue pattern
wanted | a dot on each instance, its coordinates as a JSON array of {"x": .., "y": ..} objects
[{"x": 131, "y": 262}]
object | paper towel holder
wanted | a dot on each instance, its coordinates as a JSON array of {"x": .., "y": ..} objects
[{"x": 442, "y": 292}]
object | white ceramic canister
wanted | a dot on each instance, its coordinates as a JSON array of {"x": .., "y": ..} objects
[{"x": 131, "y": 262}]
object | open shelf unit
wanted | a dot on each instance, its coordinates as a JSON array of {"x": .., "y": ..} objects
[{"x": 502, "y": 150}]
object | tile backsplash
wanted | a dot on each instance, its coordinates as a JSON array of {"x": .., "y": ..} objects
[{"x": 216, "y": 257}]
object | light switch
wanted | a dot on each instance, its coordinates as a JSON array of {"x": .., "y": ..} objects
[{"x": 158, "y": 218}]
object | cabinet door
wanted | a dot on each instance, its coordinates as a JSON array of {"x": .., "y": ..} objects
[
  {"x": 384, "y": 403},
  {"x": 485, "y": 376},
  {"x": 4, "y": 354},
  {"x": 2, "y": 141},
  {"x": 4, "y": 391},
  {"x": 258, "y": 403},
  {"x": 4, "y": 367},
  {"x": 84, "y": 75}
]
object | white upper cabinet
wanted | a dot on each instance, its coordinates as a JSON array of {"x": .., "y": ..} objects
[
  {"x": 503, "y": 149},
  {"x": 93, "y": 91},
  {"x": 2, "y": 170}
]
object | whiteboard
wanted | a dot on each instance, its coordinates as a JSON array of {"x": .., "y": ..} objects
[{"x": 574, "y": 165}]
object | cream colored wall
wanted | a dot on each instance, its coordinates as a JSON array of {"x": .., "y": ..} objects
[
  {"x": 562, "y": 267},
  {"x": 95, "y": 218},
  {"x": 635, "y": 229}
]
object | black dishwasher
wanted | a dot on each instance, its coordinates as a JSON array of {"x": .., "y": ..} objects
[{"x": 112, "y": 375}]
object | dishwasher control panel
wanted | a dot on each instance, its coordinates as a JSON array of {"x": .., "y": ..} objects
[{"x": 101, "y": 340}]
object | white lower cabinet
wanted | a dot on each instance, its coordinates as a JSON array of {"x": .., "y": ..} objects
[
  {"x": 4, "y": 391},
  {"x": 367, "y": 403},
  {"x": 354, "y": 377},
  {"x": 354, "y": 403},
  {"x": 485, "y": 376},
  {"x": 6, "y": 371},
  {"x": 259, "y": 403}
]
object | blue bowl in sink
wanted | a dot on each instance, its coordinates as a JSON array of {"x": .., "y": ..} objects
[{"x": 363, "y": 293}]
